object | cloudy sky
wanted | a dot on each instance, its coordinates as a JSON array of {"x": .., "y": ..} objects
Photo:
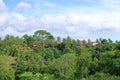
[{"x": 79, "y": 19}]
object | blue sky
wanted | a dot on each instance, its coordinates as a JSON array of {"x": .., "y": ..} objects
[{"x": 80, "y": 19}]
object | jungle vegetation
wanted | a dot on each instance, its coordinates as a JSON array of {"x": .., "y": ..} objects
[{"x": 41, "y": 56}]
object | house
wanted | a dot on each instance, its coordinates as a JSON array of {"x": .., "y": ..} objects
[
  {"x": 83, "y": 43},
  {"x": 94, "y": 43},
  {"x": 80, "y": 43},
  {"x": 35, "y": 45}
]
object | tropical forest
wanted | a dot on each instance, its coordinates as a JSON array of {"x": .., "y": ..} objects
[{"x": 42, "y": 56}]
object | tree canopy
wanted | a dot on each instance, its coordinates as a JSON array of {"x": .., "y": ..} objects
[{"x": 57, "y": 58}]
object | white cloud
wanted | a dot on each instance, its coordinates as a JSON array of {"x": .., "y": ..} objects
[
  {"x": 22, "y": 23},
  {"x": 17, "y": 24},
  {"x": 73, "y": 24},
  {"x": 3, "y": 7},
  {"x": 70, "y": 28},
  {"x": 3, "y": 19},
  {"x": 115, "y": 4},
  {"x": 51, "y": 5},
  {"x": 79, "y": 24},
  {"x": 62, "y": 25},
  {"x": 22, "y": 6}
]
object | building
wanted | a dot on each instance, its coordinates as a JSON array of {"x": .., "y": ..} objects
[
  {"x": 35, "y": 45},
  {"x": 94, "y": 43}
]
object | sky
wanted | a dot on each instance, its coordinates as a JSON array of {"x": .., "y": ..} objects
[{"x": 79, "y": 19}]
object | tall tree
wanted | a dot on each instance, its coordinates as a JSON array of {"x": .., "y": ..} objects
[
  {"x": 43, "y": 37},
  {"x": 64, "y": 67},
  {"x": 6, "y": 68}
]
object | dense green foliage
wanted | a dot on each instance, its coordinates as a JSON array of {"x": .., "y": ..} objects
[{"x": 42, "y": 57}]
